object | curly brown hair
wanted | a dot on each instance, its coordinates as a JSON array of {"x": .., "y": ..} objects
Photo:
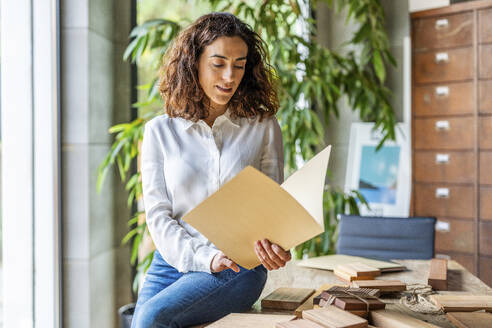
[{"x": 179, "y": 86}]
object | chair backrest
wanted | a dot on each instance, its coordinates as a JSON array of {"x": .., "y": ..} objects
[{"x": 386, "y": 238}]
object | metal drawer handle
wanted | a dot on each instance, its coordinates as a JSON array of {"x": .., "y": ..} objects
[
  {"x": 442, "y": 57},
  {"x": 442, "y": 158},
  {"x": 442, "y": 192},
  {"x": 442, "y": 23},
  {"x": 442, "y": 125},
  {"x": 442, "y": 226},
  {"x": 442, "y": 91}
]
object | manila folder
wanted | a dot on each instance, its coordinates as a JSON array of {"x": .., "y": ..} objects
[{"x": 251, "y": 206}]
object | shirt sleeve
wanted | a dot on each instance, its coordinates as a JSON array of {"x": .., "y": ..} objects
[
  {"x": 176, "y": 245},
  {"x": 272, "y": 158}
]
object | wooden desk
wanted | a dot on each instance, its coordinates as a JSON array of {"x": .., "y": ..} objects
[{"x": 459, "y": 280}]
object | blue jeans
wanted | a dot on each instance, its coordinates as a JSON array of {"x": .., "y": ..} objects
[{"x": 170, "y": 298}]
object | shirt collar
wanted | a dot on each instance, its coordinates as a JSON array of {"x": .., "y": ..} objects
[{"x": 226, "y": 117}]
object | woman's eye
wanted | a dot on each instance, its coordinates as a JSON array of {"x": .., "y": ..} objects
[
  {"x": 218, "y": 65},
  {"x": 240, "y": 67}
]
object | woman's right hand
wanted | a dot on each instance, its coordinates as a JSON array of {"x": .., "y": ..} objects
[{"x": 221, "y": 262}]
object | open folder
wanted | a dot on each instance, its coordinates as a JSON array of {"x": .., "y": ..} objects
[{"x": 251, "y": 206}]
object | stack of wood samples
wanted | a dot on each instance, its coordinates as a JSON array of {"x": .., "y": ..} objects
[
  {"x": 358, "y": 301},
  {"x": 356, "y": 271},
  {"x": 286, "y": 298}
]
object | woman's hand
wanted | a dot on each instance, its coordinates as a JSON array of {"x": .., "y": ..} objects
[
  {"x": 272, "y": 256},
  {"x": 221, "y": 262}
]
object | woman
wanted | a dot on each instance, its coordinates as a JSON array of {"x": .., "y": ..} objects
[{"x": 221, "y": 103}]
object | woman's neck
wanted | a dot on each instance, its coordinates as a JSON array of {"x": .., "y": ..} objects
[{"x": 213, "y": 113}]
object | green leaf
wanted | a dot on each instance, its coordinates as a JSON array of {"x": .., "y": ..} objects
[{"x": 379, "y": 66}]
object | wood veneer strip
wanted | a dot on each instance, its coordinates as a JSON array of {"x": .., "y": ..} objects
[
  {"x": 470, "y": 319},
  {"x": 333, "y": 317},
  {"x": 463, "y": 303},
  {"x": 248, "y": 320},
  {"x": 393, "y": 319},
  {"x": 301, "y": 323},
  {"x": 384, "y": 286}
]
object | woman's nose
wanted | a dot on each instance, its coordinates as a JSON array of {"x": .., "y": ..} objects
[{"x": 228, "y": 74}]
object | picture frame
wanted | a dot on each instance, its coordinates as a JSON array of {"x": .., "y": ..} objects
[{"x": 383, "y": 177}]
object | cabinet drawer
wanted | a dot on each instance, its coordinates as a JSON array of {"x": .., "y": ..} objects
[
  {"x": 444, "y": 200},
  {"x": 468, "y": 261},
  {"x": 485, "y": 238},
  {"x": 485, "y": 267},
  {"x": 451, "y": 167},
  {"x": 485, "y": 203},
  {"x": 485, "y": 55},
  {"x": 444, "y": 99},
  {"x": 485, "y": 96},
  {"x": 486, "y": 167},
  {"x": 444, "y": 65},
  {"x": 445, "y": 133},
  {"x": 485, "y": 25},
  {"x": 458, "y": 237},
  {"x": 443, "y": 31},
  {"x": 485, "y": 132}
]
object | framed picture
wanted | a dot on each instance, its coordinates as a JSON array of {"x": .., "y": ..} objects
[{"x": 383, "y": 177}]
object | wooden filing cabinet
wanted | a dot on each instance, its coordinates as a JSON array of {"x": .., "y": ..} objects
[{"x": 452, "y": 129}]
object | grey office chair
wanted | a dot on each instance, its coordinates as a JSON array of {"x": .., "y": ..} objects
[{"x": 386, "y": 238}]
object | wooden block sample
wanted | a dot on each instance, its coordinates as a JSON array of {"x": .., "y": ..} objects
[
  {"x": 308, "y": 304},
  {"x": 248, "y": 320},
  {"x": 395, "y": 319},
  {"x": 438, "y": 274},
  {"x": 470, "y": 319},
  {"x": 359, "y": 269},
  {"x": 286, "y": 298},
  {"x": 463, "y": 303},
  {"x": 333, "y": 317},
  {"x": 348, "y": 277},
  {"x": 349, "y": 304},
  {"x": 384, "y": 286},
  {"x": 301, "y": 323}
]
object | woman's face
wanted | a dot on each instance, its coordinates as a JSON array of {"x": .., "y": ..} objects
[{"x": 221, "y": 69}]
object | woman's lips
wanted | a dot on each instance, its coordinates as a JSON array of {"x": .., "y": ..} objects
[{"x": 224, "y": 90}]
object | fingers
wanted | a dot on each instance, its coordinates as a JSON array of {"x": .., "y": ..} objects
[
  {"x": 284, "y": 255},
  {"x": 221, "y": 262},
  {"x": 262, "y": 255},
  {"x": 265, "y": 258},
  {"x": 267, "y": 246},
  {"x": 230, "y": 264}
]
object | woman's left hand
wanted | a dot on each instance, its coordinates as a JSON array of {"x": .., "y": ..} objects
[{"x": 272, "y": 256}]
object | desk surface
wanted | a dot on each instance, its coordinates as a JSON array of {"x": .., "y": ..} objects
[{"x": 459, "y": 280}]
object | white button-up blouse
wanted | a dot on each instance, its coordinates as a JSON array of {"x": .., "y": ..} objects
[{"x": 182, "y": 163}]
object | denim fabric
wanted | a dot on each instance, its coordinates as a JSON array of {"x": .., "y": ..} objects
[{"x": 169, "y": 298}]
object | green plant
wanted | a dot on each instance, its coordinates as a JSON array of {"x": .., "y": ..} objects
[{"x": 311, "y": 80}]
